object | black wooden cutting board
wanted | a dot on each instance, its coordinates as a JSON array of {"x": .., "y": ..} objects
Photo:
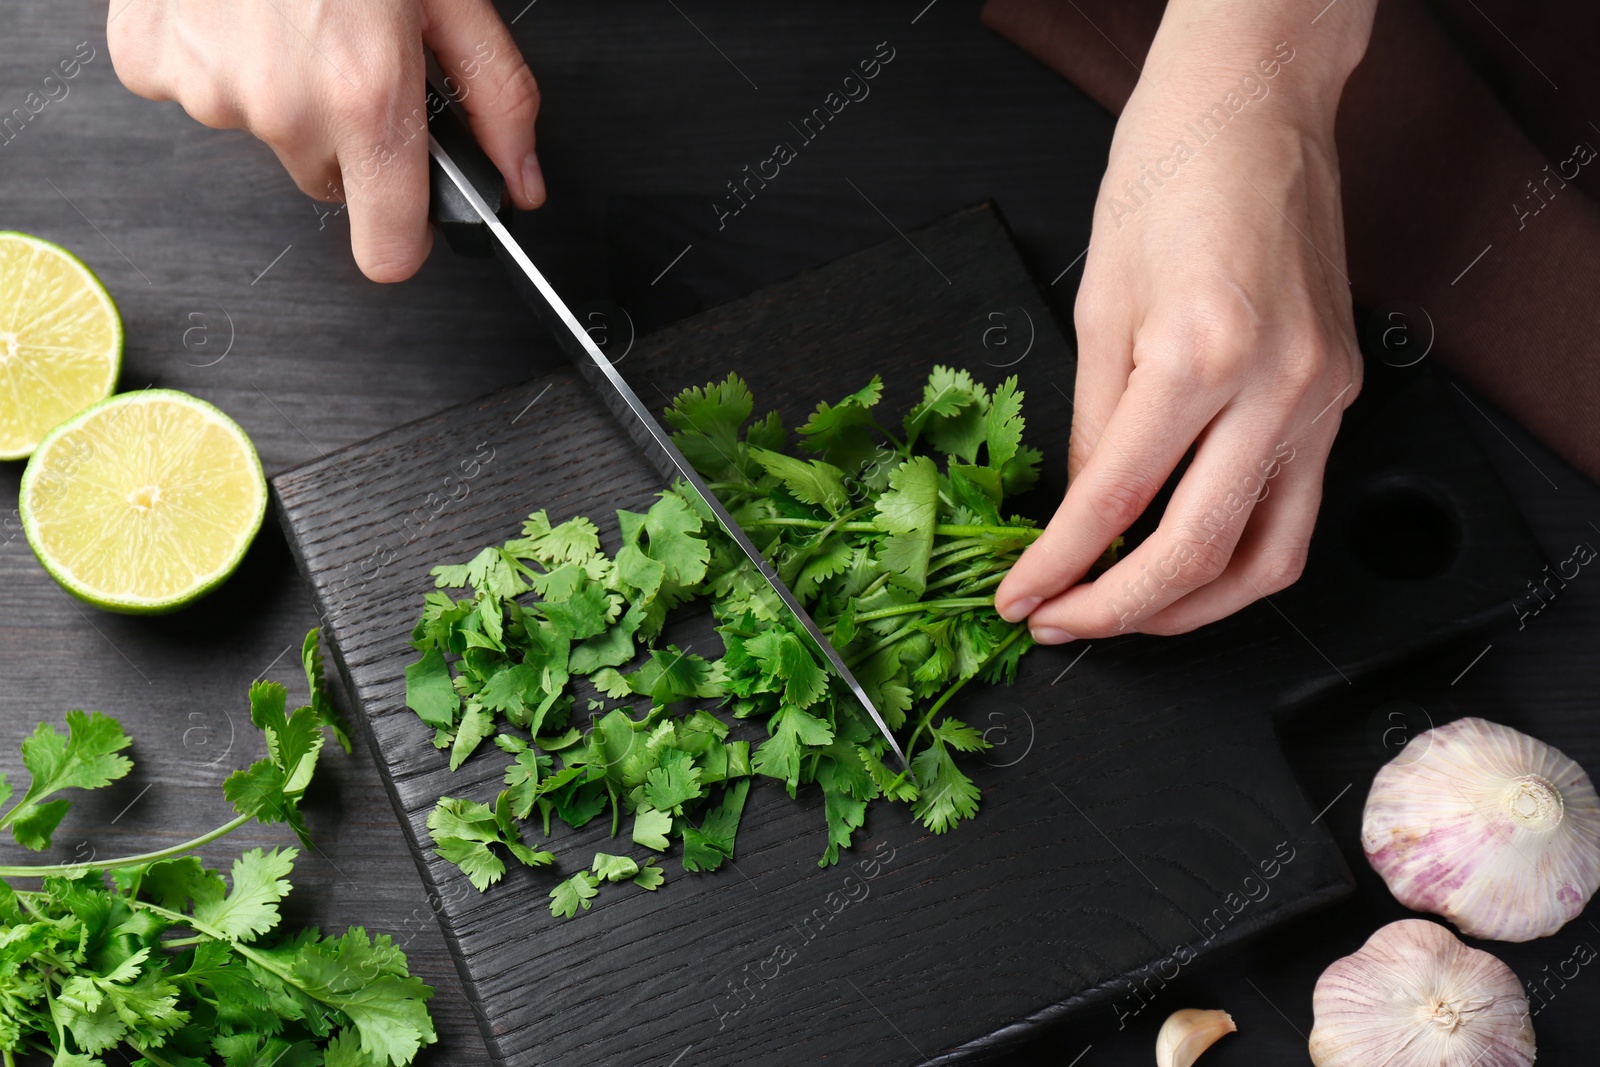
[{"x": 1137, "y": 815}]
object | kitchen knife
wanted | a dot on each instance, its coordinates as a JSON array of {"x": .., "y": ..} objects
[{"x": 468, "y": 197}]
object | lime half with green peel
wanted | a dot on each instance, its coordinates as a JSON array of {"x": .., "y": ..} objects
[
  {"x": 143, "y": 502},
  {"x": 60, "y": 340}
]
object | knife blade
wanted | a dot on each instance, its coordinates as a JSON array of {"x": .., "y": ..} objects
[{"x": 624, "y": 405}]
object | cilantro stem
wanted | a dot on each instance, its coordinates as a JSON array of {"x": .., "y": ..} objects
[
  {"x": 944, "y": 698},
  {"x": 266, "y": 963},
  {"x": 42, "y": 870},
  {"x": 5, "y": 820},
  {"x": 893, "y": 440},
  {"x": 953, "y": 604},
  {"x": 1018, "y": 533},
  {"x": 976, "y": 552},
  {"x": 838, "y": 523},
  {"x": 151, "y": 1056},
  {"x": 957, "y": 545},
  {"x": 55, "y": 1016},
  {"x": 895, "y": 638},
  {"x": 823, "y": 533},
  {"x": 877, "y": 583},
  {"x": 1023, "y": 533},
  {"x": 990, "y": 576}
]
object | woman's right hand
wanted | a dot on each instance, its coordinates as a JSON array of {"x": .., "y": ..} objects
[{"x": 337, "y": 91}]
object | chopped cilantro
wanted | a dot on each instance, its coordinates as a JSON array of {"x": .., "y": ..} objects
[
  {"x": 463, "y": 830},
  {"x": 576, "y": 892},
  {"x": 894, "y": 546}
]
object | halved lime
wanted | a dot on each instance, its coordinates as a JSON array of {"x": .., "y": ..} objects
[
  {"x": 60, "y": 340},
  {"x": 143, "y": 502}
]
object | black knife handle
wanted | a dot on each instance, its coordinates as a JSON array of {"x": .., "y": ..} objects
[{"x": 448, "y": 210}]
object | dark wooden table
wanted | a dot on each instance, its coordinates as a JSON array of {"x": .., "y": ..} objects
[{"x": 232, "y": 287}]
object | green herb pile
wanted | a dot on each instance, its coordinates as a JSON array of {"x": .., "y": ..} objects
[
  {"x": 169, "y": 964},
  {"x": 893, "y": 540}
]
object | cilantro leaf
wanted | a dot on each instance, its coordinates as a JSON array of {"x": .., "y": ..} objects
[
  {"x": 1002, "y": 424},
  {"x": 1023, "y": 471},
  {"x": 321, "y": 703},
  {"x": 845, "y": 815},
  {"x": 945, "y": 794},
  {"x": 250, "y": 909},
  {"x": 792, "y": 730},
  {"x": 669, "y": 786},
  {"x": 670, "y": 526},
  {"x": 721, "y": 824},
  {"x": 804, "y": 680},
  {"x": 611, "y": 648},
  {"x": 961, "y": 737},
  {"x": 650, "y": 828},
  {"x": 476, "y": 724},
  {"x": 464, "y": 830},
  {"x": 699, "y": 854},
  {"x": 950, "y": 400},
  {"x": 908, "y": 511},
  {"x": 843, "y": 432},
  {"x": 490, "y": 571},
  {"x": 522, "y": 780},
  {"x": 357, "y": 976},
  {"x": 85, "y": 759},
  {"x": 650, "y": 876},
  {"x": 829, "y": 559},
  {"x": 978, "y": 489},
  {"x": 574, "y": 541},
  {"x": 173, "y": 883},
  {"x": 810, "y": 481},
  {"x": 912, "y": 503},
  {"x": 670, "y": 675},
  {"x": 705, "y": 848},
  {"x": 614, "y": 868},
  {"x": 586, "y": 611},
  {"x": 270, "y": 789},
  {"x": 429, "y": 692},
  {"x": 261, "y": 1050},
  {"x": 510, "y": 689},
  {"x": 707, "y": 422},
  {"x": 609, "y": 682},
  {"x": 576, "y": 892}
]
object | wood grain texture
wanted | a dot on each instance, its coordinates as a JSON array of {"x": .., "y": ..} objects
[
  {"x": 642, "y": 124},
  {"x": 1079, "y": 876}
]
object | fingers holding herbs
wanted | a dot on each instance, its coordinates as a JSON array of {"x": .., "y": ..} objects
[
  {"x": 1239, "y": 357},
  {"x": 1214, "y": 322}
]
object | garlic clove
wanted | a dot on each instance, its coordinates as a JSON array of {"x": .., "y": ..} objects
[
  {"x": 1188, "y": 1033},
  {"x": 1414, "y": 994},
  {"x": 1492, "y": 829}
]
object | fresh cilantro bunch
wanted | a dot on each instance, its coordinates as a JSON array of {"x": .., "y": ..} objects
[
  {"x": 894, "y": 540},
  {"x": 169, "y": 964}
]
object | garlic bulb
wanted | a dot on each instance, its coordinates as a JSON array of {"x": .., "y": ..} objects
[
  {"x": 1415, "y": 995},
  {"x": 1188, "y": 1033},
  {"x": 1488, "y": 827}
]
